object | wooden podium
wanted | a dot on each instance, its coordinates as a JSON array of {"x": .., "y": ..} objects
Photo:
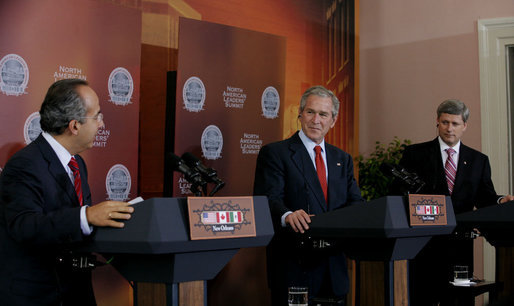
[
  {"x": 155, "y": 252},
  {"x": 379, "y": 231}
]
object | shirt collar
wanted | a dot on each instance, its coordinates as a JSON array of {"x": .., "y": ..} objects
[
  {"x": 63, "y": 154},
  {"x": 309, "y": 144},
  {"x": 444, "y": 146}
]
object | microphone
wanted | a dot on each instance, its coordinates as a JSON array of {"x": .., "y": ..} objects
[
  {"x": 208, "y": 174},
  {"x": 192, "y": 175},
  {"x": 414, "y": 182}
]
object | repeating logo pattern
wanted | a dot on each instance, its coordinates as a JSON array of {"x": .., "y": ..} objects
[
  {"x": 193, "y": 94},
  {"x": 121, "y": 86},
  {"x": 212, "y": 142},
  {"x": 14, "y": 75},
  {"x": 117, "y": 183},
  {"x": 32, "y": 127},
  {"x": 270, "y": 102}
]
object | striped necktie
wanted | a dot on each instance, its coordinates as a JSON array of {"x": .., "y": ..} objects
[
  {"x": 74, "y": 166},
  {"x": 450, "y": 169}
]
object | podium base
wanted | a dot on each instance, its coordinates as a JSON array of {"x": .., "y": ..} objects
[{"x": 161, "y": 294}]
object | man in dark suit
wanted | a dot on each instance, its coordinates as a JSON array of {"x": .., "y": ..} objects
[
  {"x": 45, "y": 204},
  {"x": 448, "y": 167},
  {"x": 301, "y": 181}
]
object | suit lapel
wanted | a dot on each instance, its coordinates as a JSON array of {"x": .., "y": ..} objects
[
  {"x": 56, "y": 169},
  {"x": 304, "y": 163},
  {"x": 333, "y": 168},
  {"x": 440, "y": 185},
  {"x": 463, "y": 166}
]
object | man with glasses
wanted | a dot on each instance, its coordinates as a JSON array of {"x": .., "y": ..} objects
[{"x": 45, "y": 204}]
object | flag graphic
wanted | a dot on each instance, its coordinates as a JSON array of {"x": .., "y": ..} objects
[
  {"x": 209, "y": 218},
  {"x": 427, "y": 210},
  {"x": 222, "y": 217}
]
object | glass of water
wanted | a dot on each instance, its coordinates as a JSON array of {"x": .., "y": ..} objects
[
  {"x": 460, "y": 274},
  {"x": 298, "y": 296}
]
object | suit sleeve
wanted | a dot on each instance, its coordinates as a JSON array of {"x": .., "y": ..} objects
[
  {"x": 270, "y": 181},
  {"x": 486, "y": 195},
  {"x": 354, "y": 192},
  {"x": 36, "y": 209}
]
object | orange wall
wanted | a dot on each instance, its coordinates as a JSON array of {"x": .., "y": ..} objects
[{"x": 300, "y": 21}]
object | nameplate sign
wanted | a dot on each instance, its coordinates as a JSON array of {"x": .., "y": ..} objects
[
  {"x": 427, "y": 209},
  {"x": 221, "y": 217}
]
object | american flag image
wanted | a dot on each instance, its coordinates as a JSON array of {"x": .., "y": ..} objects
[{"x": 209, "y": 218}]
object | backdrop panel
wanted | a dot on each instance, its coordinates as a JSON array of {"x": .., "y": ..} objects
[
  {"x": 230, "y": 82},
  {"x": 44, "y": 41}
]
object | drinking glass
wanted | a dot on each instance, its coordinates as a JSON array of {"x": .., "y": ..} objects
[{"x": 298, "y": 296}]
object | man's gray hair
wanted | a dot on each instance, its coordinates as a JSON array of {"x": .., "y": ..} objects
[
  {"x": 453, "y": 107},
  {"x": 320, "y": 91},
  {"x": 61, "y": 105}
]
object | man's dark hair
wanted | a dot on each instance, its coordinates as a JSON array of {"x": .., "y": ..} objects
[
  {"x": 453, "y": 107},
  {"x": 61, "y": 105}
]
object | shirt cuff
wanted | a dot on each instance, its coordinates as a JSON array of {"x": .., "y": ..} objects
[
  {"x": 283, "y": 219},
  {"x": 499, "y": 200},
  {"x": 84, "y": 225}
]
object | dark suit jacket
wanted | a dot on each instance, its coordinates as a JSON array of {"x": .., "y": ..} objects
[
  {"x": 39, "y": 220},
  {"x": 473, "y": 185},
  {"x": 432, "y": 267},
  {"x": 286, "y": 175}
]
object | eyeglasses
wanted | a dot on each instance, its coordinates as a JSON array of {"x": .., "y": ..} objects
[{"x": 99, "y": 117}]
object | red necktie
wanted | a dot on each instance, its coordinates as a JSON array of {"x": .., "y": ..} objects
[
  {"x": 450, "y": 169},
  {"x": 74, "y": 166},
  {"x": 322, "y": 174}
]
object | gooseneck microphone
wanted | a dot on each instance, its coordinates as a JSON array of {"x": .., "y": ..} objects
[
  {"x": 208, "y": 174},
  {"x": 412, "y": 180},
  {"x": 191, "y": 175}
]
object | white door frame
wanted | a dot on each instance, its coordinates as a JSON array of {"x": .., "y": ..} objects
[{"x": 493, "y": 37}]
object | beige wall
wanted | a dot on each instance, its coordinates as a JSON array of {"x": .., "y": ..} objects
[{"x": 413, "y": 55}]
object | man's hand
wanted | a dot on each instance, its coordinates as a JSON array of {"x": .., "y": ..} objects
[
  {"x": 105, "y": 213},
  {"x": 298, "y": 220},
  {"x": 507, "y": 198}
]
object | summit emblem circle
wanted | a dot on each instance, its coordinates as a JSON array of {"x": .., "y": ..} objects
[
  {"x": 14, "y": 75},
  {"x": 193, "y": 94},
  {"x": 121, "y": 86},
  {"x": 212, "y": 142},
  {"x": 270, "y": 102},
  {"x": 118, "y": 183}
]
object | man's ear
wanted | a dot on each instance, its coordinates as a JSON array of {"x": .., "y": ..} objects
[
  {"x": 74, "y": 126},
  {"x": 333, "y": 122}
]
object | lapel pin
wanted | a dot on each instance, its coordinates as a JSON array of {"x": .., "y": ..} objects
[{"x": 339, "y": 164}]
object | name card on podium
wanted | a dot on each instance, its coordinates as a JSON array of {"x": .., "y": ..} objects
[
  {"x": 221, "y": 217},
  {"x": 427, "y": 209}
]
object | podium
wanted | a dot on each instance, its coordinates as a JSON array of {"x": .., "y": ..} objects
[
  {"x": 154, "y": 246},
  {"x": 496, "y": 224},
  {"x": 380, "y": 231}
]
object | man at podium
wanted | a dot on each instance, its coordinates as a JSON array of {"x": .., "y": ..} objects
[
  {"x": 45, "y": 205},
  {"x": 304, "y": 176},
  {"x": 450, "y": 168}
]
